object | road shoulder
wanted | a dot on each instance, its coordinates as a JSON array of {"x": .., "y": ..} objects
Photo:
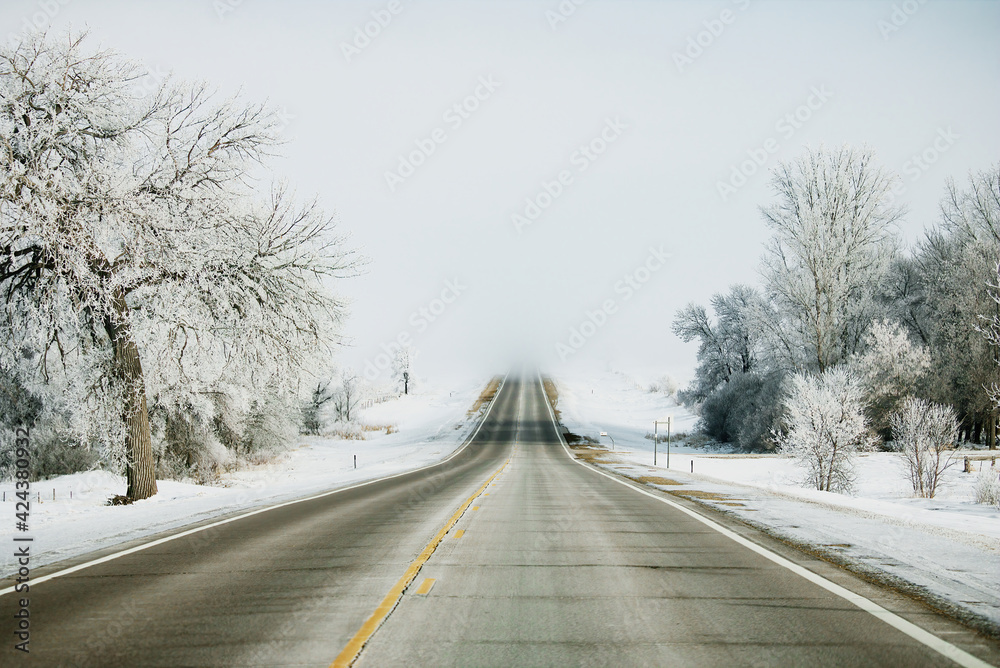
[{"x": 866, "y": 545}]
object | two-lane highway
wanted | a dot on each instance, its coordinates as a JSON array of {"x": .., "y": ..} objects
[
  {"x": 563, "y": 566},
  {"x": 509, "y": 554}
]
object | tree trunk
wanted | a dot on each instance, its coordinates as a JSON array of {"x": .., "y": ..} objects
[
  {"x": 993, "y": 430},
  {"x": 140, "y": 469}
]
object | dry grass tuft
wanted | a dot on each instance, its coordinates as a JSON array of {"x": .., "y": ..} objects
[
  {"x": 355, "y": 431},
  {"x": 590, "y": 455},
  {"x": 387, "y": 428},
  {"x": 552, "y": 393},
  {"x": 657, "y": 480},
  {"x": 486, "y": 396},
  {"x": 698, "y": 494}
]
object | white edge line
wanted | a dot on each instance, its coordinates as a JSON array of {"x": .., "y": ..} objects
[
  {"x": 946, "y": 649},
  {"x": 182, "y": 534}
]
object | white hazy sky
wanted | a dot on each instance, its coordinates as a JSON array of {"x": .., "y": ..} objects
[{"x": 897, "y": 76}]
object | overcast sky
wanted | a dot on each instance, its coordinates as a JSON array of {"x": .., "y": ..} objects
[{"x": 619, "y": 120}]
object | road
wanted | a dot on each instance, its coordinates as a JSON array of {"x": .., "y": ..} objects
[{"x": 518, "y": 556}]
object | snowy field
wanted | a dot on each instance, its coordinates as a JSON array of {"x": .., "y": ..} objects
[
  {"x": 622, "y": 406},
  {"x": 428, "y": 426},
  {"x": 947, "y": 548}
]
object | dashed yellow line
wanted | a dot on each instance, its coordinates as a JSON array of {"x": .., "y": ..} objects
[
  {"x": 425, "y": 586},
  {"x": 459, "y": 533},
  {"x": 350, "y": 653}
]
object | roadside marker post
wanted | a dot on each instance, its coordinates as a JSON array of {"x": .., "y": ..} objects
[{"x": 656, "y": 423}]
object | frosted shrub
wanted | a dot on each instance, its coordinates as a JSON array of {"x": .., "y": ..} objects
[
  {"x": 987, "y": 490},
  {"x": 185, "y": 445},
  {"x": 745, "y": 410},
  {"x": 268, "y": 430},
  {"x": 925, "y": 433},
  {"x": 826, "y": 428},
  {"x": 665, "y": 385}
]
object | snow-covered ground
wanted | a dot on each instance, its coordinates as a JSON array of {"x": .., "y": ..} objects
[
  {"x": 427, "y": 428},
  {"x": 946, "y": 548},
  {"x": 622, "y": 406}
]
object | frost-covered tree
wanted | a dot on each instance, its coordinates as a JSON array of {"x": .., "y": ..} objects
[
  {"x": 826, "y": 427},
  {"x": 312, "y": 412},
  {"x": 727, "y": 345},
  {"x": 949, "y": 299},
  {"x": 268, "y": 427},
  {"x": 925, "y": 433},
  {"x": 833, "y": 241},
  {"x": 137, "y": 259},
  {"x": 738, "y": 390},
  {"x": 745, "y": 411},
  {"x": 347, "y": 396},
  {"x": 989, "y": 327},
  {"x": 402, "y": 367},
  {"x": 889, "y": 369},
  {"x": 974, "y": 213},
  {"x": 963, "y": 363}
]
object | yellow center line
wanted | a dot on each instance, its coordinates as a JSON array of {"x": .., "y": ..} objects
[
  {"x": 459, "y": 533},
  {"x": 425, "y": 586},
  {"x": 350, "y": 653}
]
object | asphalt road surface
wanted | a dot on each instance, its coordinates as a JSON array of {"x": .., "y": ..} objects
[{"x": 509, "y": 554}]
